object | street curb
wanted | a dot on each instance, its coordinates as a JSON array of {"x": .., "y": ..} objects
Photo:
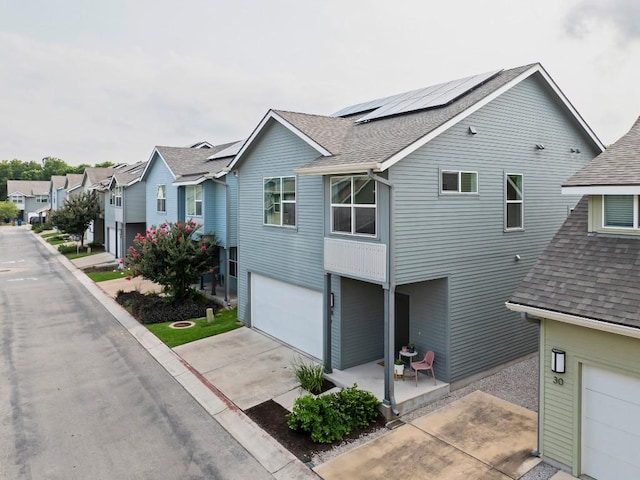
[{"x": 277, "y": 460}]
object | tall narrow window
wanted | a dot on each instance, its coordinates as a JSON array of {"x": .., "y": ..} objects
[
  {"x": 459, "y": 182},
  {"x": 161, "y": 198},
  {"x": 233, "y": 262},
  {"x": 117, "y": 196},
  {"x": 194, "y": 200},
  {"x": 514, "y": 216},
  {"x": 353, "y": 205},
  {"x": 279, "y": 197}
]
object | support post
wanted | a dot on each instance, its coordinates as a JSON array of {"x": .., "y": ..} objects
[{"x": 327, "y": 324}]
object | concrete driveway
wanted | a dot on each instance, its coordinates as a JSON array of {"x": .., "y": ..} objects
[{"x": 477, "y": 437}]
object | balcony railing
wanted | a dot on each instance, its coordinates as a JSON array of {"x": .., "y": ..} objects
[{"x": 364, "y": 260}]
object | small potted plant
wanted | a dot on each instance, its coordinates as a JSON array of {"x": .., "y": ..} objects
[
  {"x": 412, "y": 347},
  {"x": 398, "y": 368}
]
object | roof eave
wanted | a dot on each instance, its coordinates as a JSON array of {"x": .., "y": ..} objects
[
  {"x": 601, "y": 190},
  {"x": 578, "y": 320},
  {"x": 339, "y": 169}
]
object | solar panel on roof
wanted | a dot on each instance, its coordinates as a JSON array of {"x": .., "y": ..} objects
[
  {"x": 429, "y": 97},
  {"x": 227, "y": 152}
]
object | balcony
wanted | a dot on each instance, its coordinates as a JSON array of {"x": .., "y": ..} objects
[{"x": 362, "y": 260}]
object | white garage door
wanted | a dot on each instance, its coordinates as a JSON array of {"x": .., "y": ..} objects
[
  {"x": 290, "y": 313},
  {"x": 112, "y": 240},
  {"x": 610, "y": 424}
]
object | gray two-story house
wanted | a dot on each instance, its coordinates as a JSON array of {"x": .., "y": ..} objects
[
  {"x": 31, "y": 197},
  {"x": 407, "y": 219}
]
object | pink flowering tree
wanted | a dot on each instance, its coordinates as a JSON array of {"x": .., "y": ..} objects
[
  {"x": 77, "y": 214},
  {"x": 170, "y": 256}
]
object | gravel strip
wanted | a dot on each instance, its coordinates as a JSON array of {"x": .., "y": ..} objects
[{"x": 517, "y": 384}]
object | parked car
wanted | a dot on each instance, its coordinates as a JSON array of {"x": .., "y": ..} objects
[{"x": 35, "y": 220}]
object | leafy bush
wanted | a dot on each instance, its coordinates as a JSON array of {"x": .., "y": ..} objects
[
  {"x": 328, "y": 418},
  {"x": 152, "y": 308},
  {"x": 309, "y": 375},
  {"x": 170, "y": 256},
  {"x": 65, "y": 249}
]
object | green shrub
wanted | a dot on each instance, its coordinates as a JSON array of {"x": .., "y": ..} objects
[
  {"x": 309, "y": 375},
  {"x": 328, "y": 418},
  {"x": 66, "y": 249},
  {"x": 152, "y": 308}
]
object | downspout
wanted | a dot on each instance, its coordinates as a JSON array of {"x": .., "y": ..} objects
[
  {"x": 389, "y": 301},
  {"x": 226, "y": 239}
]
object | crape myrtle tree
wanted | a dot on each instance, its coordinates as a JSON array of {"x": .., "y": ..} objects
[
  {"x": 76, "y": 214},
  {"x": 170, "y": 256}
]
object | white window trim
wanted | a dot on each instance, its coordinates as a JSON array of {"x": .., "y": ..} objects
[
  {"x": 507, "y": 202},
  {"x": 195, "y": 201},
  {"x": 117, "y": 194},
  {"x": 636, "y": 216},
  {"x": 233, "y": 261},
  {"x": 282, "y": 201},
  {"x": 459, "y": 192},
  {"x": 353, "y": 206},
  {"x": 163, "y": 198}
]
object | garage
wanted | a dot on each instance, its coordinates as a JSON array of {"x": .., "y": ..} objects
[
  {"x": 288, "y": 312},
  {"x": 112, "y": 241},
  {"x": 610, "y": 424}
]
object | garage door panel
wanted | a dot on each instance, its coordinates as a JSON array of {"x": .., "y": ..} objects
[
  {"x": 288, "y": 312},
  {"x": 610, "y": 424}
]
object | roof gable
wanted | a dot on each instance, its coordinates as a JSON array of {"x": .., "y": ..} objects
[{"x": 28, "y": 188}]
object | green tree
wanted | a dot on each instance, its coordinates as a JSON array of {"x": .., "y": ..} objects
[
  {"x": 77, "y": 214},
  {"x": 104, "y": 165},
  {"x": 8, "y": 210},
  {"x": 169, "y": 255}
]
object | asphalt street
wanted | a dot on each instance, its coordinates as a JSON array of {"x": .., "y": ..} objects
[{"x": 80, "y": 398}]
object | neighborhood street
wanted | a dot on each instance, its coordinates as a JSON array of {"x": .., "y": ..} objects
[{"x": 80, "y": 398}]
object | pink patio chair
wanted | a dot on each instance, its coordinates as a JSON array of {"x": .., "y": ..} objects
[{"x": 426, "y": 364}]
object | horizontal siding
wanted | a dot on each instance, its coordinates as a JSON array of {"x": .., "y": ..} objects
[
  {"x": 232, "y": 181},
  {"x": 135, "y": 204},
  {"x": 159, "y": 174},
  {"x": 293, "y": 255},
  {"x": 560, "y": 435},
  {"x": 462, "y": 236}
]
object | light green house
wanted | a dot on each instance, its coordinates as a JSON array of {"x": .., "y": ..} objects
[{"x": 585, "y": 293}]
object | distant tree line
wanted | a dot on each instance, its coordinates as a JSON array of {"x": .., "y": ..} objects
[{"x": 18, "y": 170}]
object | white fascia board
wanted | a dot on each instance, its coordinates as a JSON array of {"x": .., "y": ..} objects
[
  {"x": 339, "y": 169},
  {"x": 150, "y": 161},
  {"x": 602, "y": 190},
  {"x": 576, "y": 320},
  {"x": 178, "y": 183},
  {"x": 477, "y": 106},
  {"x": 271, "y": 115}
]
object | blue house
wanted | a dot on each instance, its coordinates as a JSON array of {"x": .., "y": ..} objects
[
  {"x": 407, "y": 219},
  {"x": 191, "y": 183},
  {"x": 124, "y": 208},
  {"x": 56, "y": 191}
]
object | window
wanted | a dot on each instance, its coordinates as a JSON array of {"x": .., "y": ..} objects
[
  {"x": 280, "y": 201},
  {"x": 161, "y": 198},
  {"x": 620, "y": 211},
  {"x": 514, "y": 201},
  {"x": 194, "y": 200},
  {"x": 233, "y": 262},
  {"x": 458, "y": 182},
  {"x": 353, "y": 205},
  {"x": 117, "y": 196},
  {"x": 16, "y": 198},
  {"x": 42, "y": 198}
]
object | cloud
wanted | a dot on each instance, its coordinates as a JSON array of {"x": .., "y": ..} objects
[{"x": 589, "y": 15}]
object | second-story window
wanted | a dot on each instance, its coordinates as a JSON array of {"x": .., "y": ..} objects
[
  {"x": 161, "y": 198},
  {"x": 194, "y": 200},
  {"x": 353, "y": 205},
  {"x": 117, "y": 196},
  {"x": 453, "y": 181},
  {"x": 233, "y": 262},
  {"x": 620, "y": 211},
  {"x": 42, "y": 198},
  {"x": 279, "y": 197},
  {"x": 514, "y": 201}
]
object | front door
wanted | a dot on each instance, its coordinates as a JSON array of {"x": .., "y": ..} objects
[{"x": 402, "y": 320}]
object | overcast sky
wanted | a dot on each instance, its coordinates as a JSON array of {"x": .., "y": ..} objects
[{"x": 107, "y": 81}]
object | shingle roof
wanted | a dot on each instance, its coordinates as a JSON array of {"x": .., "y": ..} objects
[
  {"x": 189, "y": 161},
  {"x": 126, "y": 175},
  {"x": 587, "y": 274},
  {"x": 377, "y": 140},
  {"x": 74, "y": 180},
  {"x": 57, "y": 181},
  {"x": 618, "y": 165},
  {"x": 28, "y": 188},
  {"x": 98, "y": 174}
]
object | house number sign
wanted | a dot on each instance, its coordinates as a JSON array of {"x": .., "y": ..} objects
[{"x": 558, "y": 381}]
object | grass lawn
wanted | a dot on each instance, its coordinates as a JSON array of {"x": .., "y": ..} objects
[
  {"x": 57, "y": 239},
  {"x": 225, "y": 321},
  {"x": 50, "y": 234},
  {"x": 71, "y": 256},
  {"x": 104, "y": 276}
]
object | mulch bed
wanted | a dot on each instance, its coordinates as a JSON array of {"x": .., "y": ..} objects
[{"x": 271, "y": 417}]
